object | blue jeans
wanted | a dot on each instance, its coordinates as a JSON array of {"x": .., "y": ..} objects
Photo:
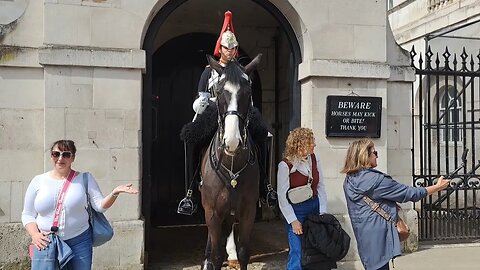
[
  {"x": 45, "y": 259},
  {"x": 82, "y": 251},
  {"x": 302, "y": 210},
  {"x": 74, "y": 254}
]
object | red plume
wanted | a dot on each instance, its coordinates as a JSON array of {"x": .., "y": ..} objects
[{"x": 227, "y": 24}]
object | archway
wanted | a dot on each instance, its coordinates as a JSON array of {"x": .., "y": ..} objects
[{"x": 176, "y": 42}]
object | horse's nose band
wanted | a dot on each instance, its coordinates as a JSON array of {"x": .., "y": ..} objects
[{"x": 234, "y": 113}]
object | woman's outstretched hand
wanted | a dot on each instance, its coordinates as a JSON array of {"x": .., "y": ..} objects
[
  {"x": 128, "y": 188},
  {"x": 110, "y": 199},
  {"x": 442, "y": 183}
]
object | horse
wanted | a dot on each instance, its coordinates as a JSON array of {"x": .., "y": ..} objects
[{"x": 229, "y": 168}]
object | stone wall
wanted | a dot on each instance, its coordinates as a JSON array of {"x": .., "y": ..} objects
[
  {"x": 73, "y": 69},
  {"x": 67, "y": 73}
]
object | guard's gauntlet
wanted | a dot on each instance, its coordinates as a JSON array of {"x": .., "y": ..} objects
[{"x": 201, "y": 103}]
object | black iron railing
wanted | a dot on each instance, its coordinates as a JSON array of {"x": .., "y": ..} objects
[{"x": 445, "y": 131}]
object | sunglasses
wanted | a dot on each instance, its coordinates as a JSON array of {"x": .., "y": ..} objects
[
  {"x": 64, "y": 154},
  {"x": 375, "y": 153}
]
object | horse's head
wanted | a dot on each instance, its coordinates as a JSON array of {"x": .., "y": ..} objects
[{"x": 234, "y": 101}]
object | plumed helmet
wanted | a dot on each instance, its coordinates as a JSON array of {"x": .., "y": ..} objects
[
  {"x": 227, "y": 37},
  {"x": 229, "y": 40}
]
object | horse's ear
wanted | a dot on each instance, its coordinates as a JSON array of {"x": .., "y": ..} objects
[
  {"x": 214, "y": 64},
  {"x": 253, "y": 64}
]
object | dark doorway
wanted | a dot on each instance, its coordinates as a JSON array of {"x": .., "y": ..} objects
[
  {"x": 173, "y": 66},
  {"x": 177, "y": 66}
]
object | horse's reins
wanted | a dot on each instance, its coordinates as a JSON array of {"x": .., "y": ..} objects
[{"x": 217, "y": 163}]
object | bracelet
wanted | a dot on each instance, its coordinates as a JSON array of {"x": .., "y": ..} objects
[{"x": 114, "y": 195}]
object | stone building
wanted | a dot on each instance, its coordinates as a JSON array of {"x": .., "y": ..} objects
[{"x": 119, "y": 77}]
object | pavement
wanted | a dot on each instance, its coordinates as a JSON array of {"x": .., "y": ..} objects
[
  {"x": 439, "y": 257},
  {"x": 181, "y": 248}
]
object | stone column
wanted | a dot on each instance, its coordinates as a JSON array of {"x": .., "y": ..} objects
[{"x": 93, "y": 97}]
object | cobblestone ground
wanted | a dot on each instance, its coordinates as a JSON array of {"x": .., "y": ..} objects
[{"x": 182, "y": 248}]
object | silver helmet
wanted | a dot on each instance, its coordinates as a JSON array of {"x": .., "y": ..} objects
[{"x": 229, "y": 40}]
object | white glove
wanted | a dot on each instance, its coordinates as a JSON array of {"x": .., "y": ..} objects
[{"x": 201, "y": 103}]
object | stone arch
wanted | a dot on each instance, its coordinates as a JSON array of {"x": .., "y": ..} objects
[{"x": 166, "y": 22}]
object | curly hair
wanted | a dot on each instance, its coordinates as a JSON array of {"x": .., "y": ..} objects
[
  {"x": 357, "y": 156},
  {"x": 297, "y": 143}
]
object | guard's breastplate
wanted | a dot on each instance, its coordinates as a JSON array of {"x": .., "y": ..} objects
[{"x": 212, "y": 84}]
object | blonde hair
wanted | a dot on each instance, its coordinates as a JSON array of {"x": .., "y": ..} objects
[
  {"x": 297, "y": 143},
  {"x": 357, "y": 156}
]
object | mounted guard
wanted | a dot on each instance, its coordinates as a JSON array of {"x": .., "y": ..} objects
[{"x": 197, "y": 134}]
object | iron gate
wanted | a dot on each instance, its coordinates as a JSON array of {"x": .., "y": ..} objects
[{"x": 445, "y": 127}]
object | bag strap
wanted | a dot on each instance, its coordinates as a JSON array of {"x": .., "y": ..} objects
[
  {"x": 310, "y": 171},
  {"x": 375, "y": 206},
  {"x": 85, "y": 184},
  {"x": 61, "y": 198}
]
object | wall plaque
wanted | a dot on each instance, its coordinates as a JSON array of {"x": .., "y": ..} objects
[{"x": 353, "y": 116}]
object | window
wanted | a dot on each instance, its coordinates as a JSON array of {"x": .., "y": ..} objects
[{"x": 450, "y": 114}]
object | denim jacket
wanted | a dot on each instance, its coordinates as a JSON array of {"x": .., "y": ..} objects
[
  {"x": 55, "y": 256},
  {"x": 377, "y": 239}
]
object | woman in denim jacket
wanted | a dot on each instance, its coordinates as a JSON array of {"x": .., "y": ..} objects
[{"x": 377, "y": 240}]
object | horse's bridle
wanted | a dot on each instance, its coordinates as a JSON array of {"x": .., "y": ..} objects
[
  {"x": 245, "y": 119},
  {"x": 217, "y": 162}
]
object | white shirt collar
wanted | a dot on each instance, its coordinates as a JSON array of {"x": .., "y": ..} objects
[{"x": 303, "y": 166}]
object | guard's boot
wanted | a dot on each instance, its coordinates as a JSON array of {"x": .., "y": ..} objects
[
  {"x": 187, "y": 206},
  {"x": 268, "y": 195},
  {"x": 271, "y": 199}
]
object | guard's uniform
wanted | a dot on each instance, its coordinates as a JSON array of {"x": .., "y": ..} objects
[
  {"x": 207, "y": 92},
  {"x": 208, "y": 81}
]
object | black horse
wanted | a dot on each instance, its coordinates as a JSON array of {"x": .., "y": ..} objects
[{"x": 229, "y": 167}]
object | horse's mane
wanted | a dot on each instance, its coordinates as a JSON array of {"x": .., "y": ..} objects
[{"x": 233, "y": 72}]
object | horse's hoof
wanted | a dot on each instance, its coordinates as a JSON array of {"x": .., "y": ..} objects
[
  {"x": 207, "y": 265},
  {"x": 235, "y": 264}
]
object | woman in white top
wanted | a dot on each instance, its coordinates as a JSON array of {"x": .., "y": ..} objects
[
  {"x": 73, "y": 227},
  {"x": 299, "y": 167}
]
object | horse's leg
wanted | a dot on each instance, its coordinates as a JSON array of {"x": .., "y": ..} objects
[
  {"x": 208, "y": 248},
  {"x": 215, "y": 258},
  {"x": 244, "y": 231},
  {"x": 207, "y": 264},
  {"x": 231, "y": 246}
]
